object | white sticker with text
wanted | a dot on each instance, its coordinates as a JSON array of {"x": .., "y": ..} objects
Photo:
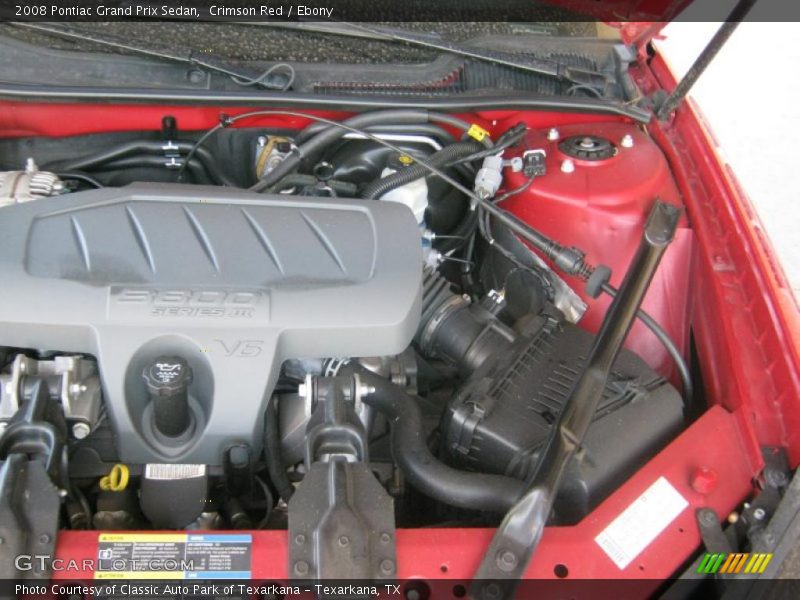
[{"x": 639, "y": 524}]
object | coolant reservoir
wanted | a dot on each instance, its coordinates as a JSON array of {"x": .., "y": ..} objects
[{"x": 414, "y": 194}]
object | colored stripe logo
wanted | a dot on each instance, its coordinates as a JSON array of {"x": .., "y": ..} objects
[{"x": 732, "y": 563}]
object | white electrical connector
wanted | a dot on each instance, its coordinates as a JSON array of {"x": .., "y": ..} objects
[
  {"x": 431, "y": 258},
  {"x": 489, "y": 177}
]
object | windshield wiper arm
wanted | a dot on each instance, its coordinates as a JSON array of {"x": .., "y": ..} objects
[
  {"x": 277, "y": 81},
  {"x": 541, "y": 66}
]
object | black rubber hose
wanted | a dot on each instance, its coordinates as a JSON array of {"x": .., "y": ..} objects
[
  {"x": 510, "y": 138},
  {"x": 443, "y": 157},
  {"x": 154, "y": 148},
  {"x": 459, "y": 236},
  {"x": 272, "y": 443},
  {"x": 132, "y": 148},
  {"x": 106, "y": 156},
  {"x": 472, "y": 491},
  {"x": 81, "y": 177},
  {"x": 344, "y": 188},
  {"x": 666, "y": 341},
  {"x": 365, "y": 120},
  {"x": 195, "y": 167}
]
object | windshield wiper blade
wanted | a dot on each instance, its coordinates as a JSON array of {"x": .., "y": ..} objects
[
  {"x": 541, "y": 66},
  {"x": 187, "y": 56}
]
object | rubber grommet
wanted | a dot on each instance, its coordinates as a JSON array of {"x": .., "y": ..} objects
[{"x": 599, "y": 277}]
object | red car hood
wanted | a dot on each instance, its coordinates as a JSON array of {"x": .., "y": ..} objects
[
  {"x": 639, "y": 21},
  {"x": 624, "y": 10}
]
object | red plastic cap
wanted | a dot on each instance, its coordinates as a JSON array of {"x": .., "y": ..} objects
[{"x": 704, "y": 480}]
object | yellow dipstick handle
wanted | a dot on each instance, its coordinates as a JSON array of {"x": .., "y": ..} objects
[{"x": 116, "y": 480}]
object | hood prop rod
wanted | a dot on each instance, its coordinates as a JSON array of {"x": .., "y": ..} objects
[
  {"x": 515, "y": 541},
  {"x": 677, "y": 96}
]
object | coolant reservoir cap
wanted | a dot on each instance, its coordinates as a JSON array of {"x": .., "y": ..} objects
[
  {"x": 399, "y": 161},
  {"x": 167, "y": 376}
]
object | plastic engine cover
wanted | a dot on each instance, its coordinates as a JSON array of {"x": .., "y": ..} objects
[{"x": 233, "y": 282}]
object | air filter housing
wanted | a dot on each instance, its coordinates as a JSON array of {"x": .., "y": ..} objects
[{"x": 502, "y": 417}]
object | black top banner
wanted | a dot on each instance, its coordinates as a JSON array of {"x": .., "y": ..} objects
[{"x": 393, "y": 10}]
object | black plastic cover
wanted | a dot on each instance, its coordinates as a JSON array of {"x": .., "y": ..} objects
[{"x": 503, "y": 415}]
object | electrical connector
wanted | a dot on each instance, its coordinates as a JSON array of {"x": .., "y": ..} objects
[
  {"x": 533, "y": 163},
  {"x": 489, "y": 177}
]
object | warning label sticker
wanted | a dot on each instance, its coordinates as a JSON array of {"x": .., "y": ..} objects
[
  {"x": 173, "y": 556},
  {"x": 639, "y": 524}
]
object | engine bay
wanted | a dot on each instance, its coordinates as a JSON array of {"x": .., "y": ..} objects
[{"x": 341, "y": 325}]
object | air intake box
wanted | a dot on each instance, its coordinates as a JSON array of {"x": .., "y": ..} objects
[{"x": 501, "y": 418}]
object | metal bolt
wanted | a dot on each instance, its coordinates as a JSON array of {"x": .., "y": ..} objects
[
  {"x": 567, "y": 166},
  {"x": 387, "y": 566},
  {"x": 776, "y": 478},
  {"x": 80, "y": 430},
  {"x": 44, "y": 538},
  {"x": 300, "y": 539},
  {"x": 197, "y": 76},
  {"x": 759, "y": 514},
  {"x": 707, "y": 516},
  {"x": 262, "y": 141},
  {"x": 344, "y": 540},
  {"x": 506, "y": 560},
  {"x": 553, "y": 134},
  {"x": 498, "y": 296},
  {"x": 301, "y": 567},
  {"x": 386, "y": 538},
  {"x": 626, "y": 141}
]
